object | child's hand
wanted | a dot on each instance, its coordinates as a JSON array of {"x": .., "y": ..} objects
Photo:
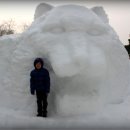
[{"x": 33, "y": 92}]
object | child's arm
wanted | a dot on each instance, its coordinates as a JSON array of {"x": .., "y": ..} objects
[
  {"x": 32, "y": 88},
  {"x": 47, "y": 82}
]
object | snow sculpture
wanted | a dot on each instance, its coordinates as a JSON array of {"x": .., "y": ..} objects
[{"x": 88, "y": 64}]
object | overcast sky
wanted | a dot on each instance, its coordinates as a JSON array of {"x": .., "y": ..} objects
[{"x": 118, "y": 12}]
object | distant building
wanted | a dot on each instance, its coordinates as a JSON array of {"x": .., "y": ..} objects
[{"x": 128, "y": 47}]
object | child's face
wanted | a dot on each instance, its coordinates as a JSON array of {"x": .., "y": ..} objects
[{"x": 38, "y": 65}]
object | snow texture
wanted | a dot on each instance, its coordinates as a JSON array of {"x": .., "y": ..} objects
[{"x": 88, "y": 65}]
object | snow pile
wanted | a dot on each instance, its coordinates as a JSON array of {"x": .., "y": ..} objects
[{"x": 88, "y": 64}]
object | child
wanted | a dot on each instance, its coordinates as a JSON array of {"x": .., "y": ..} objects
[{"x": 40, "y": 83}]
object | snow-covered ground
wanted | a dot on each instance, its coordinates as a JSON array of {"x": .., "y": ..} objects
[{"x": 88, "y": 65}]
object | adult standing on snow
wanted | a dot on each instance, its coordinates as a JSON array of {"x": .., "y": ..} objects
[{"x": 40, "y": 83}]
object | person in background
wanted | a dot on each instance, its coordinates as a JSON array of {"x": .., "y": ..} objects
[{"x": 40, "y": 83}]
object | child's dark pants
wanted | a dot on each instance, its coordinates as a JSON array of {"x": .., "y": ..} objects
[{"x": 41, "y": 102}]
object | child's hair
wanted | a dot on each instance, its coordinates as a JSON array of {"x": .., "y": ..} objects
[{"x": 38, "y": 60}]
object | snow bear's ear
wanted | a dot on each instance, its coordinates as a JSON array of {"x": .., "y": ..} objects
[
  {"x": 100, "y": 12},
  {"x": 41, "y": 9}
]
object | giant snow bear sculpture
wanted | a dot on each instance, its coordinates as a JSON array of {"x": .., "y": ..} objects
[{"x": 87, "y": 62}]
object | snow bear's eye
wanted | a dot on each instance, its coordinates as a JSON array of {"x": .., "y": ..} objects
[
  {"x": 94, "y": 32},
  {"x": 56, "y": 30},
  {"x": 97, "y": 30},
  {"x": 53, "y": 29}
]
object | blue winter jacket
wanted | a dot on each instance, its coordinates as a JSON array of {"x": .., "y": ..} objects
[{"x": 40, "y": 80}]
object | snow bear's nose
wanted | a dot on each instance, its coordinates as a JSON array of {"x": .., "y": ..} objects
[
  {"x": 62, "y": 62},
  {"x": 67, "y": 59}
]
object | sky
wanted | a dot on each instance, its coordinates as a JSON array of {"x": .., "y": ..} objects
[{"x": 118, "y": 12}]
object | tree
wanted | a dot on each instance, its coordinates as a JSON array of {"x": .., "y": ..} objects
[
  {"x": 25, "y": 26},
  {"x": 7, "y": 27}
]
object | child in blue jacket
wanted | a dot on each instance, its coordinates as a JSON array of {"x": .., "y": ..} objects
[{"x": 40, "y": 83}]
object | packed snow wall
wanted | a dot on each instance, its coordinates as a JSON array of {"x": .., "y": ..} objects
[{"x": 88, "y": 65}]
